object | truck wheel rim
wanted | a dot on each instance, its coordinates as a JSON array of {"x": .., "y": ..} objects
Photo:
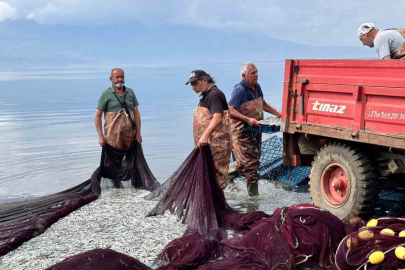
[{"x": 335, "y": 183}]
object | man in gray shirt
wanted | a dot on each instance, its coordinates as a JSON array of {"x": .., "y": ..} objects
[{"x": 389, "y": 43}]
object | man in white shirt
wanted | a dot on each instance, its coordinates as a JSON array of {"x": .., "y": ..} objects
[{"x": 389, "y": 43}]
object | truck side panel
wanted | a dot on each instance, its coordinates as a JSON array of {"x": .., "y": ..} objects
[
  {"x": 355, "y": 100},
  {"x": 385, "y": 114}
]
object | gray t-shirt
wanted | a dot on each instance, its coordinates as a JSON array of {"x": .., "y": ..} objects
[{"x": 387, "y": 42}]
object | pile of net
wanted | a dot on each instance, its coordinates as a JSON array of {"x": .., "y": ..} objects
[
  {"x": 193, "y": 195},
  {"x": 291, "y": 236},
  {"x": 378, "y": 245},
  {"x": 23, "y": 220},
  {"x": 218, "y": 237},
  {"x": 100, "y": 259}
]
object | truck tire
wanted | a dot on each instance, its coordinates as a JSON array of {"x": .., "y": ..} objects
[{"x": 343, "y": 181}]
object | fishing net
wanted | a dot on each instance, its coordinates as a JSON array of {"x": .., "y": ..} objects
[
  {"x": 217, "y": 236},
  {"x": 21, "y": 221},
  {"x": 193, "y": 195},
  {"x": 355, "y": 249},
  {"x": 121, "y": 168},
  {"x": 100, "y": 259},
  {"x": 291, "y": 236},
  {"x": 295, "y": 237},
  {"x": 272, "y": 168}
]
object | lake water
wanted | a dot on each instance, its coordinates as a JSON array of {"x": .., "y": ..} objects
[{"x": 48, "y": 141}]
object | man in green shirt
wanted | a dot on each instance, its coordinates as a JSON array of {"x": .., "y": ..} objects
[{"x": 122, "y": 121}]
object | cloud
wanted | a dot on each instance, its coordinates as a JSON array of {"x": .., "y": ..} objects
[
  {"x": 6, "y": 11},
  {"x": 47, "y": 14},
  {"x": 318, "y": 22}
]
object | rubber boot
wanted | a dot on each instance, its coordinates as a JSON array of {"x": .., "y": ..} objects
[
  {"x": 231, "y": 176},
  {"x": 253, "y": 189}
]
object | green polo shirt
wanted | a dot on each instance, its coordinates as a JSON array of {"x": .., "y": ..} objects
[{"x": 108, "y": 101}]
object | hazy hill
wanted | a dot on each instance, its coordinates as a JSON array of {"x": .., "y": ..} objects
[{"x": 133, "y": 44}]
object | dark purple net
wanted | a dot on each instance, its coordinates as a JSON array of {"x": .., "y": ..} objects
[
  {"x": 353, "y": 224},
  {"x": 193, "y": 195},
  {"x": 119, "y": 167},
  {"x": 300, "y": 234},
  {"x": 21, "y": 221},
  {"x": 289, "y": 237},
  {"x": 355, "y": 248},
  {"x": 100, "y": 259}
]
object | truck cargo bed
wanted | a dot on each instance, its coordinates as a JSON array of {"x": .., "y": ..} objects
[{"x": 354, "y": 100}]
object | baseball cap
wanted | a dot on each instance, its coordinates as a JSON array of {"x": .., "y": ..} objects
[
  {"x": 365, "y": 28},
  {"x": 196, "y": 75}
]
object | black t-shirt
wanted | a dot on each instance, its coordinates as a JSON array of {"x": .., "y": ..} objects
[{"x": 214, "y": 100}]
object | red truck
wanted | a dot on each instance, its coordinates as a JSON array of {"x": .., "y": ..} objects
[{"x": 346, "y": 119}]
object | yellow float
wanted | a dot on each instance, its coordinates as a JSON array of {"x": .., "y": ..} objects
[
  {"x": 400, "y": 253},
  {"x": 388, "y": 232},
  {"x": 366, "y": 235},
  {"x": 372, "y": 223},
  {"x": 376, "y": 257}
]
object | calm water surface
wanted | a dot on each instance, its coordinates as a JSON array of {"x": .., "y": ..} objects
[{"x": 48, "y": 141}]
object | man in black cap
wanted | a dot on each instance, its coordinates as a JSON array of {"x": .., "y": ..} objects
[{"x": 212, "y": 123}]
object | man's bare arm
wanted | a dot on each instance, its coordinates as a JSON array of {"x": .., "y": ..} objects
[
  {"x": 99, "y": 127},
  {"x": 137, "y": 117},
  {"x": 270, "y": 109}
]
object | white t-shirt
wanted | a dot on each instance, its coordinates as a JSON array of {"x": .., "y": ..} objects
[{"x": 388, "y": 42}]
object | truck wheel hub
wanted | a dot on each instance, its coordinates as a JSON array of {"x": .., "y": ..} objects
[{"x": 335, "y": 185}]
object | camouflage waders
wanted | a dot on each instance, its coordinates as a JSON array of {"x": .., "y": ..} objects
[
  {"x": 247, "y": 144},
  {"x": 118, "y": 129},
  {"x": 400, "y": 54},
  {"x": 219, "y": 141}
]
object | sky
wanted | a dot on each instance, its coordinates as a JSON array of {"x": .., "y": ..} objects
[{"x": 89, "y": 31}]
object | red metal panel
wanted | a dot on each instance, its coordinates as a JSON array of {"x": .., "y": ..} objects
[
  {"x": 360, "y": 102},
  {"x": 353, "y": 72},
  {"x": 362, "y": 95},
  {"x": 286, "y": 94},
  {"x": 385, "y": 114},
  {"x": 330, "y": 108},
  {"x": 299, "y": 101},
  {"x": 384, "y": 91}
]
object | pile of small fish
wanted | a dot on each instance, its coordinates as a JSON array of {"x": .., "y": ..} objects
[
  {"x": 270, "y": 121},
  {"x": 116, "y": 220}
]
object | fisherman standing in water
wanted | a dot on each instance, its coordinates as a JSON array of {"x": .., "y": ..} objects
[
  {"x": 246, "y": 106},
  {"x": 211, "y": 122},
  {"x": 120, "y": 108}
]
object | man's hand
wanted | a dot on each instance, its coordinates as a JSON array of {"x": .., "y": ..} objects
[
  {"x": 138, "y": 137},
  {"x": 203, "y": 141},
  {"x": 278, "y": 114},
  {"x": 253, "y": 122},
  {"x": 101, "y": 140}
]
